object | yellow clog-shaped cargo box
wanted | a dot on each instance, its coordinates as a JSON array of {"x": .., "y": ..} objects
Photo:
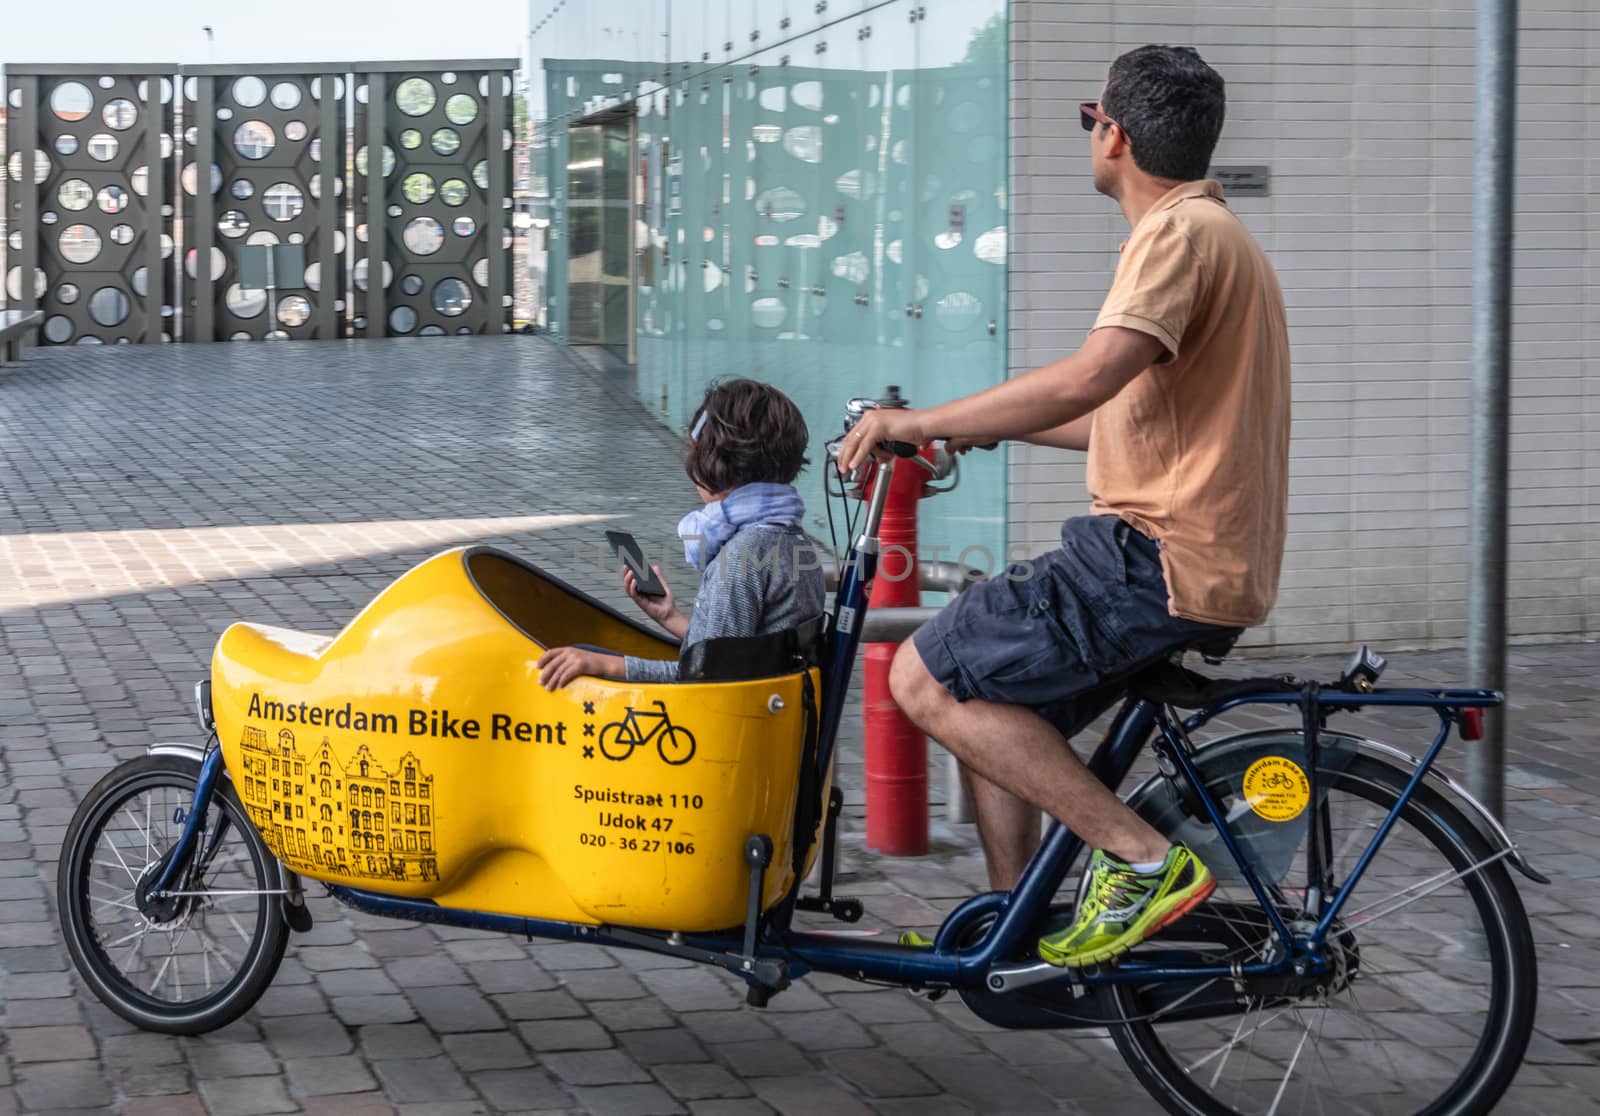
[{"x": 415, "y": 754}]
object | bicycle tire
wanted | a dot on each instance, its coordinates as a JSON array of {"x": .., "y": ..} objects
[
  {"x": 1506, "y": 933},
  {"x": 263, "y": 952},
  {"x": 678, "y": 754},
  {"x": 610, "y": 739}
]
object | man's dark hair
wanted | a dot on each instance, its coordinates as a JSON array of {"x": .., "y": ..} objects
[
  {"x": 745, "y": 432},
  {"x": 1171, "y": 105}
]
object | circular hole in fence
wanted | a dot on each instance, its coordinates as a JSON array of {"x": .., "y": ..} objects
[
  {"x": 423, "y": 236},
  {"x": 109, "y": 306},
  {"x": 71, "y": 101},
  {"x": 242, "y": 303},
  {"x": 249, "y": 91},
  {"x": 415, "y": 96},
  {"x": 79, "y": 243},
  {"x": 451, "y": 297}
]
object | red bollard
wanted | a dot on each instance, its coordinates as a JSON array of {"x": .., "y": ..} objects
[{"x": 896, "y": 753}]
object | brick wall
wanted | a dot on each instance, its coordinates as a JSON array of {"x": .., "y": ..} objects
[{"x": 1364, "y": 113}]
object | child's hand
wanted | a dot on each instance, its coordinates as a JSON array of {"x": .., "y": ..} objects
[
  {"x": 561, "y": 665},
  {"x": 659, "y": 609}
]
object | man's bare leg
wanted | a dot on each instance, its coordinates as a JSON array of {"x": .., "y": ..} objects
[
  {"x": 1007, "y": 826},
  {"x": 1020, "y": 756}
]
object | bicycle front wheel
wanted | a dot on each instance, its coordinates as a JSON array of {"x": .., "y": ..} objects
[
  {"x": 190, "y": 963},
  {"x": 1431, "y": 1003}
]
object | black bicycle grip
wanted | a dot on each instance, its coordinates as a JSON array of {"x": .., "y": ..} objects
[{"x": 900, "y": 449}]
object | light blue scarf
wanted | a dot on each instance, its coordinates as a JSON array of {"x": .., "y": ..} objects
[{"x": 705, "y": 530}]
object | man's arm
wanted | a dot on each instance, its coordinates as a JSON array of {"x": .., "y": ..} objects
[
  {"x": 1041, "y": 402},
  {"x": 1072, "y": 435}
]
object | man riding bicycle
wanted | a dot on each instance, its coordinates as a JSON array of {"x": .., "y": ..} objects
[{"x": 1180, "y": 395}]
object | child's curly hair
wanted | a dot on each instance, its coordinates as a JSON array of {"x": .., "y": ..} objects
[{"x": 745, "y": 432}]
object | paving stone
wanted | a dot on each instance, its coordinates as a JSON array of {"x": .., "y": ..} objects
[
  {"x": 513, "y": 1090},
  {"x": 413, "y": 942},
  {"x": 164, "y": 1106},
  {"x": 316, "y": 1037},
  {"x": 359, "y": 1011},
  {"x": 594, "y": 1067},
  {"x": 142, "y": 1048},
  {"x": 230, "y": 1059},
  {"x": 427, "y": 971},
  {"x": 628, "y": 1100},
  {"x": 386, "y": 1041},
  {"x": 456, "y": 1009},
  {"x": 924, "y": 1039},
  {"x": 519, "y": 975},
  {"x": 987, "y": 1082},
  {"x": 826, "y": 1029},
  {"x": 49, "y": 1044},
  {"x": 807, "y": 1096},
  {"x": 631, "y": 1015},
  {"x": 46, "y": 1085},
  {"x": 417, "y": 1080},
  {"x": 763, "y": 1058},
  {"x": 547, "y": 1035},
  {"x": 590, "y": 985},
  {"x": 356, "y": 1104},
  {"x": 699, "y": 1080},
  {"x": 246, "y": 1096},
  {"x": 555, "y": 1004},
  {"x": 151, "y": 1081},
  {"x": 879, "y": 1073},
  {"x": 312, "y": 1077},
  {"x": 739, "y": 1025},
  {"x": 487, "y": 1050},
  {"x": 356, "y": 982},
  {"x": 651, "y": 1048}
]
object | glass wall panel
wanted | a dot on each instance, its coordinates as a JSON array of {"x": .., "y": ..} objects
[{"x": 819, "y": 201}]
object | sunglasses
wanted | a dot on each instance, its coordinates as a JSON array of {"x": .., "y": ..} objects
[{"x": 1089, "y": 115}]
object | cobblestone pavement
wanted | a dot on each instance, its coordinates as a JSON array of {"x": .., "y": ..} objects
[{"x": 153, "y": 495}]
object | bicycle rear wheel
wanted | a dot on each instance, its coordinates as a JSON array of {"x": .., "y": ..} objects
[{"x": 1431, "y": 1004}]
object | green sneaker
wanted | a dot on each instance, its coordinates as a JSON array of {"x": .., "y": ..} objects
[
  {"x": 915, "y": 940},
  {"x": 1123, "y": 907}
]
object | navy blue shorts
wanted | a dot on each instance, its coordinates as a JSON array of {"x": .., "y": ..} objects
[{"x": 1062, "y": 633}]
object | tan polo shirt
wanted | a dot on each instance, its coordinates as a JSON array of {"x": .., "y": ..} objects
[{"x": 1194, "y": 452}]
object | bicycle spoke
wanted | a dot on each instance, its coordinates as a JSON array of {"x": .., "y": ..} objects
[
  {"x": 1445, "y": 879},
  {"x": 1288, "y": 1073},
  {"x": 118, "y": 854}
]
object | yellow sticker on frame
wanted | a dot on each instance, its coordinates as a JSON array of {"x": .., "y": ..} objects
[{"x": 1276, "y": 788}]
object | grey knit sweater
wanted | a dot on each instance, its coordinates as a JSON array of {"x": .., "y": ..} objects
[{"x": 765, "y": 579}]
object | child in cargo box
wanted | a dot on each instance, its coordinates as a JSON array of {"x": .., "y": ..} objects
[{"x": 759, "y": 572}]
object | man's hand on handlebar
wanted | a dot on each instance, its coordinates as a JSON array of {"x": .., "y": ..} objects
[{"x": 875, "y": 427}]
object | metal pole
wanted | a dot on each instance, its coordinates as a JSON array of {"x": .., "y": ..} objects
[
  {"x": 154, "y": 222},
  {"x": 377, "y": 203},
  {"x": 330, "y": 268},
  {"x": 202, "y": 232},
  {"x": 1493, "y": 185},
  {"x": 497, "y": 320}
]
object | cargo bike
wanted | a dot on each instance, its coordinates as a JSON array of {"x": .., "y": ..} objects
[{"x": 1365, "y": 945}]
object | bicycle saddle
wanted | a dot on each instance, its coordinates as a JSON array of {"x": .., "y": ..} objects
[{"x": 1170, "y": 683}]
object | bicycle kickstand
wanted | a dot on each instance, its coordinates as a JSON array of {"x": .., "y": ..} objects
[{"x": 845, "y": 910}]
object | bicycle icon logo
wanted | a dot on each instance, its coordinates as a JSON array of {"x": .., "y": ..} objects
[
  {"x": 1278, "y": 780},
  {"x": 674, "y": 743}
]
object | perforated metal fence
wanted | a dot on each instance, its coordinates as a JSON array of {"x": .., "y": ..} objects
[{"x": 272, "y": 155}]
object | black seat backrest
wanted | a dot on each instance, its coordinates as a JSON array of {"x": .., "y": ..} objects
[{"x": 736, "y": 658}]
